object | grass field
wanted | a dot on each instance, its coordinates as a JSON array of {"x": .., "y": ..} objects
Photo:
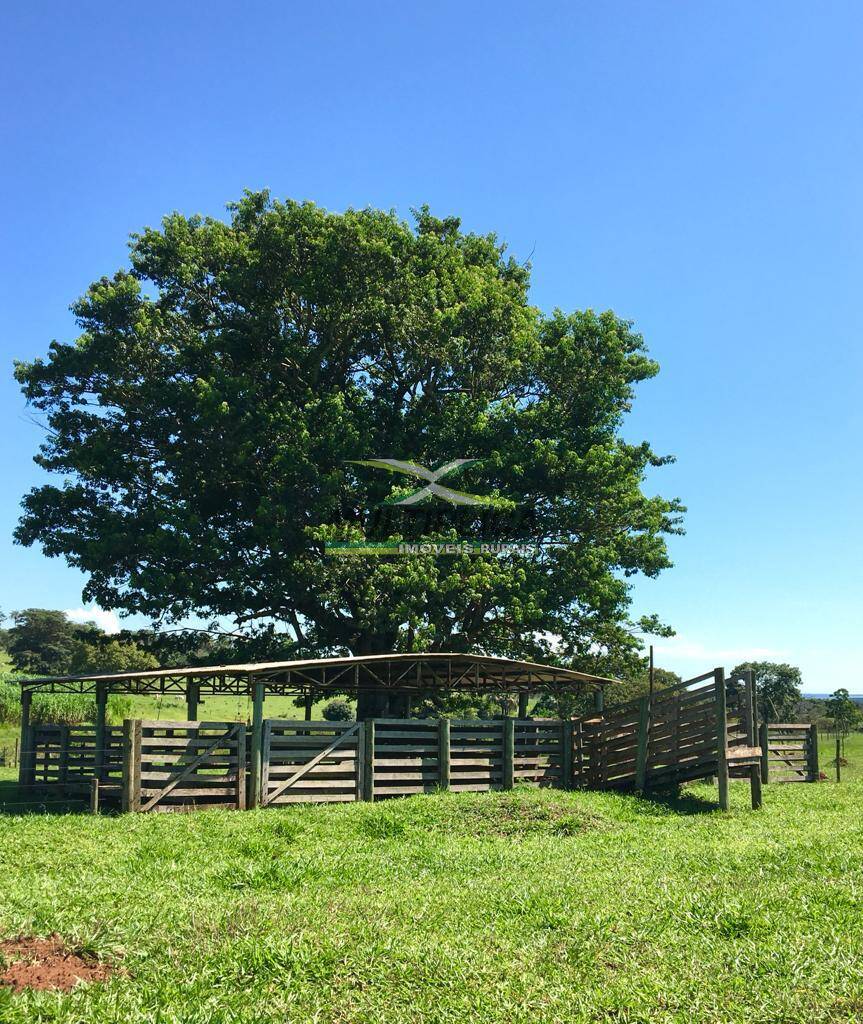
[{"x": 532, "y": 906}]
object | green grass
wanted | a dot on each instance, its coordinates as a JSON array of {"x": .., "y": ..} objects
[
  {"x": 853, "y": 748},
  {"x": 534, "y": 906}
]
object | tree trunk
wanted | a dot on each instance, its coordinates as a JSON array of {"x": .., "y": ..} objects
[{"x": 378, "y": 701}]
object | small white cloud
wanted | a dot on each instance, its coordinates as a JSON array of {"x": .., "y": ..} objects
[
  {"x": 106, "y": 621},
  {"x": 681, "y": 647}
]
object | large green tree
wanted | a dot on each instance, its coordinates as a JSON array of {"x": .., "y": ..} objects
[
  {"x": 777, "y": 689},
  {"x": 205, "y": 418},
  {"x": 43, "y": 641},
  {"x": 843, "y": 711}
]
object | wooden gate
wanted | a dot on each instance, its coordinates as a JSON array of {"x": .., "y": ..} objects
[
  {"x": 180, "y": 766},
  {"x": 310, "y": 762},
  {"x": 790, "y": 752}
]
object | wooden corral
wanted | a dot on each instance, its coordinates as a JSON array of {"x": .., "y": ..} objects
[{"x": 703, "y": 728}]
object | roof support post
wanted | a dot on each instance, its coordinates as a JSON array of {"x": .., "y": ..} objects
[
  {"x": 257, "y": 737},
  {"x": 599, "y": 700},
  {"x": 522, "y": 705}
]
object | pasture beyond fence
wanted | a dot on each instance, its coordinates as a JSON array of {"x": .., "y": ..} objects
[{"x": 703, "y": 728}]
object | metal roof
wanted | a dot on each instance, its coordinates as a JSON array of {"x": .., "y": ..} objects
[{"x": 352, "y": 674}]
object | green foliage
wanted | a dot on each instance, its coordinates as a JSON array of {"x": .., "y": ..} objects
[
  {"x": 338, "y": 711},
  {"x": 623, "y": 691},
  {"x": 843, "y": 712},
  {"x": 454, "y": 704},
  {"x": 43, "y": 641},
  {"x": 10, "y": 702},
  {"x": 777, "y": 688},
  {"x": 206, "y": 416},
  {"x": 62, "y": 709},
  {"x": 564, "y": 705},
  {"x": 181, "y": 647},
  {"x": 58, "y": 708},
  {"x": 110, "y": 656}
]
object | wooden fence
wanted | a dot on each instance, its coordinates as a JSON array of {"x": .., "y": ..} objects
[
  {"x": 68, "y": 757},
  {"x": 789, "y": 752},
  {"x": 702, "y": 728}
]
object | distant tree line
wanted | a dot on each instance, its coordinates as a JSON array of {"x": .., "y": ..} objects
[{"x": 46, "y": 642}]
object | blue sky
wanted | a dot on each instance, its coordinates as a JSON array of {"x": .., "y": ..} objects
[{"x": 695, "y": 167}]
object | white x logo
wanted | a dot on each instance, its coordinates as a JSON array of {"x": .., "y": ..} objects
[{"x": 432, "y": 475}]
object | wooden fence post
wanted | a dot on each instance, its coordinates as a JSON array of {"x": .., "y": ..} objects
[
  {"x": 27, "y": 754},
  {"x": 101, "y": 733},
  {"x": 443, "y": 739},
  {"x": 193, "y": 695},
  {"x": 838, "y": 757},
  {"x": 508, "y": 752},
  {"x": 131, "y": 765},
  {"x": 763, "y": 742},
  {"x": 257, "y": 742},
  {"x": 814, "y": 769},
  {"x": 241, "y": 766},
  {"x": 579, "y": 781},
  {"x": 566, "y": 737},
  {"x": 755, "y": 769},
  {"x": 94, "y": 796},
  {"x": 63, "y": 766},
  {"x": 368, "y": 768},
  {"x": 641, "y": 753},
  {"x": 721, "y": 738}
]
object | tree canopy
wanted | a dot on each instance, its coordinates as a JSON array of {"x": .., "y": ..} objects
[
  {"x": 777, "y": 687},
  {"x": 44, "y": 641},
  {"x": 844, "y": 713},
  {"x": 204, "y": 422}
]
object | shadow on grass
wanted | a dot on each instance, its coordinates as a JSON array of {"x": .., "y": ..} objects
[
  {"x": 15, "y": 801},
  {"x": 680, "y": 802}
]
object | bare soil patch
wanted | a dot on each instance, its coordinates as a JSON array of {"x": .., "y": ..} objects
[{"x": 47, "y": 964}]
